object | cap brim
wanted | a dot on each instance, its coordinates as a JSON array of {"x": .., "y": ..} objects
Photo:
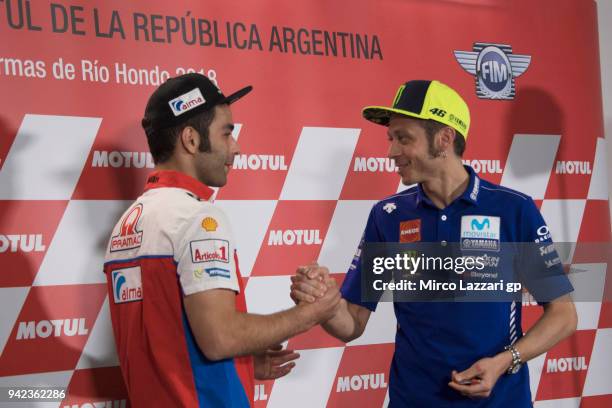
[
  {"x": 382, "y": 114},
  {"x": 237, "y": 95}
]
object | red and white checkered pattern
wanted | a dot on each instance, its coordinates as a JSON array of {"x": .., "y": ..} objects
[{"x": 72, "y": 157}]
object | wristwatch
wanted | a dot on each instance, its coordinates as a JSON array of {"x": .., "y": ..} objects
[{"x": 516, "y": 364}]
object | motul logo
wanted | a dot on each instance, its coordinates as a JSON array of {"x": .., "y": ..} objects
[
  {"x": 116, "y": 159},
  {"x": 100, "y": 404},
  {"x": 47, "y": 328},
  {"x": 22, "y": 243},
  {"x": 260, "y": 392},
  {"x": 374, "y": 164},
  {"x": 259, "y": 162},
  {"x": 361, "y": 382},
  {"x": 573, "y": 167},
  {"x": 485, "y": 166},
  {"x": 294, "y": 237},
  {"x": 561, "y": 365}
]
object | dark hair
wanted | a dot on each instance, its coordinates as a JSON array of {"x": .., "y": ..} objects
[
  {"x": 163, "y": 141},
  {"x": 432, "y": 127}
]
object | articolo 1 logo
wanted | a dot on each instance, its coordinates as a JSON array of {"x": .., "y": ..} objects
[{"x": 495, "y": 67}]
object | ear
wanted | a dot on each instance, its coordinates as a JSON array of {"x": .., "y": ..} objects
[
  {"x": 446, "y": 138},
  {"x": 189, "y": 139}
]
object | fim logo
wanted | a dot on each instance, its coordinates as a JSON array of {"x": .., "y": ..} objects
[{"x": 495, "y": 67}]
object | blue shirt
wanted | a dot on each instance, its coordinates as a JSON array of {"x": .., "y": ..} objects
[{"x": 434, "y": 338}]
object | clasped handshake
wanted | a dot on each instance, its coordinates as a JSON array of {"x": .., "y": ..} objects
[{"x": 313, "y": 288}]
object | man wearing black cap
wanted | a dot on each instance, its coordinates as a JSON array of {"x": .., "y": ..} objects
[
  {"x": 183, "y": 335},
  {"x": 461, "y": 354}
]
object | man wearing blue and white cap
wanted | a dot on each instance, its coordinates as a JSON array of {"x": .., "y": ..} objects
[{"x": 461, "y": 354}]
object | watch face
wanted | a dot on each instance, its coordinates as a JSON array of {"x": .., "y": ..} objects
[{"x": 516, "y": 369}]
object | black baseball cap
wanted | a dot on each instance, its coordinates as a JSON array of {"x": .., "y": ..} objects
[{"x": 183, "y": 97}]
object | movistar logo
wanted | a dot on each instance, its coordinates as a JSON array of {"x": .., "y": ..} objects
[{"x": 480, "y": 225}]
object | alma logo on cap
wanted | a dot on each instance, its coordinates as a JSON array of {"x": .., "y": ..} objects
[{"x": 187, "y": 102}]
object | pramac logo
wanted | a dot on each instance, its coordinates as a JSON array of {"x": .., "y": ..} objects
[
  {"x": 129, "y": 237},
  {"x": 187, "y": 101}
]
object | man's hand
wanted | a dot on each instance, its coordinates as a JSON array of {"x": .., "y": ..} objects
[
  {"x": 315, "y": 291},
  {"x": 310, "y": 283},
  {"x": 274, "y": 363},
  {"x": 326, "y": 306},
  {"x": 478, "y": 380}
]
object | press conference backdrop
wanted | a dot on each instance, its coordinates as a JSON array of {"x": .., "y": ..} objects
[
  {"x": 604, "y": 14},
  {"x": 74, "y": 80}
]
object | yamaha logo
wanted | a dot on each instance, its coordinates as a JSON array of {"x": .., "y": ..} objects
[{"x": 495, "y": 67}]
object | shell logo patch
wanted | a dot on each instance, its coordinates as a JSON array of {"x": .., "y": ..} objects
[{"x": 209, "y": 224}]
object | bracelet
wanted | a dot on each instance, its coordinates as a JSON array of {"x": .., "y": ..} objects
[{"x": 516, "y": 359}]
